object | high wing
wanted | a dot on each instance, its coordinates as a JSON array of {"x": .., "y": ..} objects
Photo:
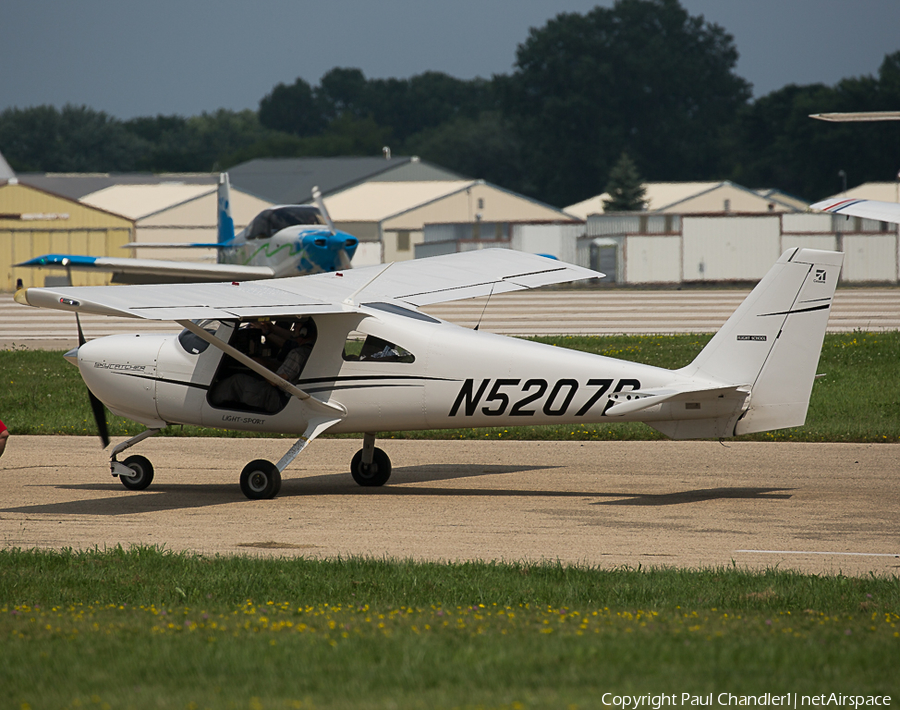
[
  {"x": 407, "y": 284},
  {"x": 868, "y": 209},
  {"x": 153, "y": 270}
]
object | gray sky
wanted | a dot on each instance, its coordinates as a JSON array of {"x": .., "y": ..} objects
[{"x": 189, "y": 56}]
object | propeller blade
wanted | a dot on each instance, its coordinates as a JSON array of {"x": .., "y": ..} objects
[
  {"x": 99, "y": 417},
  {"x": 320, "y": 203},
  {"x": 81, "y": 340},
  {"x": 345, "y": 260},
  {"x": 96, "y": 405}
]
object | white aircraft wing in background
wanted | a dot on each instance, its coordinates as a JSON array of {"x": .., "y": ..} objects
[
  {"x": 152, "y": 270},
  {"x": 868, "y": 209}
]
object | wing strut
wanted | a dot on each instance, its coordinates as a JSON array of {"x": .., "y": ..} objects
[{"x": 264, "y": 372}]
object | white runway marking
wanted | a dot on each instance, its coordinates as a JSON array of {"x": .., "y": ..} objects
[{"x": 810, "y": 552}]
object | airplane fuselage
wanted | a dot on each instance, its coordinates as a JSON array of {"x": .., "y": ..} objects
[
  {"x": 436, "y": 376},
  {"x": 293, "y": 251}
]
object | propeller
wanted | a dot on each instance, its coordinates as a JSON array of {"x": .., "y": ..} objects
[
  {"x": 320, "y": 203},
  {"x": 96, "y": 405}
]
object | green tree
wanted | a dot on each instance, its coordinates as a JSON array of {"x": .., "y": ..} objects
[
  {"x": 199, "y": 143},
  {"x": 292, "y": 109},
  {"x": 484, "y": 147},
  {"x": 643, "y": 76},
  {"x": 74, "y": 139},
  {"x": 625, "y": 187}
]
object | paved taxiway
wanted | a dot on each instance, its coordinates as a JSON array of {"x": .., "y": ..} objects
[{"x": 811, "y": 507}]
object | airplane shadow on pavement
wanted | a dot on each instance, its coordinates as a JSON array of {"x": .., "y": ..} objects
[{"x": 405, "y": 481}]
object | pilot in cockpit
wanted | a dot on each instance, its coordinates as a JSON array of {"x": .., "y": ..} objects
[{"x": 247, "y": 390}]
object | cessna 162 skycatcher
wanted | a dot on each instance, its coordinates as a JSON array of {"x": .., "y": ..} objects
[
  {"x": 368, "y": 360},
  {"x": 287, "y": 240}
]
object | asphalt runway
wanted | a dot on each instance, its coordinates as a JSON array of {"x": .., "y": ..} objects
[
  {"x": 817, "y": 508},
  {"x": 541, "y": 312}
]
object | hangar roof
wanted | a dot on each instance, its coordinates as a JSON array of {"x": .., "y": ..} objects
[
  {"x": 139, "y": 201},
  {"x": 291, "y": 180},
  {"x": 376, "y": 201},
  {"x": 882, "y": 191},
  {"x": 687, "y": 197},
  {"x": 77, "y": 185}
]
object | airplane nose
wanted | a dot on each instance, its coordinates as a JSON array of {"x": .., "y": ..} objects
[
  {"x": 346, "y": 241},
  {"x": 72, "y": 356},
  {"x": 331, "y": 251},
  {"x": 120, "y": 370}
]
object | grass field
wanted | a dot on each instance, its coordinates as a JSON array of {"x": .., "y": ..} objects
[
  {"x": 149, "y": 629},
  {"x": 856, "y": 400}
]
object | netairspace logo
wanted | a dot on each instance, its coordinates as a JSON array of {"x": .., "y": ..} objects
[{"x": 786, "y": 700}]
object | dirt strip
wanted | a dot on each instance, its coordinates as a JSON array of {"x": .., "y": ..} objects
[{"x": 820, "y": 508}]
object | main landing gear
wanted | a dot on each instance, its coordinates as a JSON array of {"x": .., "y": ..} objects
[
  {"x": 370, "y": 466},
  {"x": 260, "y": 479}
]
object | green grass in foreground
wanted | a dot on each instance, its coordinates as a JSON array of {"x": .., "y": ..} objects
[
  {"x": 857, "y": 399},
  {"x": 146, "y": 628}
]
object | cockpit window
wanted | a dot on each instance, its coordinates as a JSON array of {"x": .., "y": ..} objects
[
  {"x": 269, "y": 222},
  {"x": 373, "y": 349},
  {"x": 194, "y": 344}
]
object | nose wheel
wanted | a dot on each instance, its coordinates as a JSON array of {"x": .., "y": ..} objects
[{"x": 142, "y": 474}]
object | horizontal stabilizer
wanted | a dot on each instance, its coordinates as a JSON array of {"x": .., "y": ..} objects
[{"x": 624, "y": 403}]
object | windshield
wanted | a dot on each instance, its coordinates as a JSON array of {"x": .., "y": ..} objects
[
  {"x": 269, "y": 222},
  {"x": 194, "y": 344}
]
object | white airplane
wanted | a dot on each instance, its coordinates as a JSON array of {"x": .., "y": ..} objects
[
  {"x": 854, "y": 207},
  {"x": 287, "y": 240},
  {"x": 377, "y": 363}
]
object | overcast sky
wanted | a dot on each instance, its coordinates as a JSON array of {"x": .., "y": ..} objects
[{"x": 190, "y": 56}]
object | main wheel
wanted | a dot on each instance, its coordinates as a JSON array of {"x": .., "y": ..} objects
[
  {"x": 260, "y": 479},
  {"x": 374, "y": 474},
  {"x": 143, "y": 473}
]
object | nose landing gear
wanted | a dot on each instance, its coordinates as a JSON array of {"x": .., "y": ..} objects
[{"x": 142, "y": 476}]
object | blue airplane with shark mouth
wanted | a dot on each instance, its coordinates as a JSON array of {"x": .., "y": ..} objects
[{"x": 285, "y": 240}]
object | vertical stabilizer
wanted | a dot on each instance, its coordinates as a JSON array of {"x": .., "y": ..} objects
[
  {"x": 772, "y": 342},
  {"x": 225, "y": 222}
]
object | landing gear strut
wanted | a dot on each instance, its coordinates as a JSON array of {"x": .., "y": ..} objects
[{"x": 370, "y": 466}]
